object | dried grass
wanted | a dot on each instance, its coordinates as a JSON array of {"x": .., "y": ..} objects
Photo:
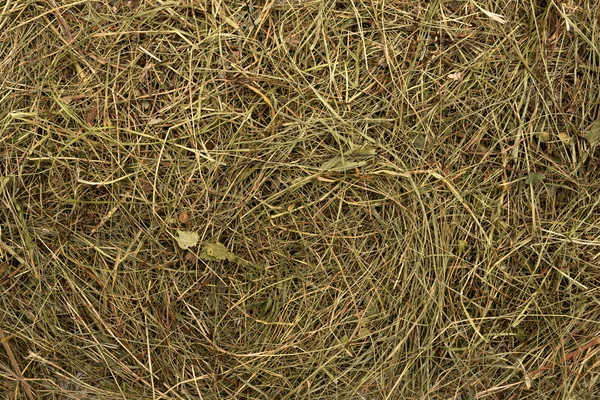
[{"x": 459, "y": 261}]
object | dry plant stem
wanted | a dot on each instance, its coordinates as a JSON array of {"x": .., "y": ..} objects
[{"x": 16, "y": 370}]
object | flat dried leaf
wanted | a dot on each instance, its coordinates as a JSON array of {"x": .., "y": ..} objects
[
  {"x": 535, "y": 177},
  {"x": 185, "y": 240},
  {"x": 564, "y": 137},
  {"x": 91, "y": 115},
  {"x": 544, "y": 136},
  {"x": 217, "y": 252},
  {"x": 364, "y": 333},
  {"x": 420, "y": 141},
  {"x": 344, "y": 340},
  {"x": 593, "y": 133},
  {"x": 184, "y": 217},
  {"x": 190, "y": 256},
  {"x": 462, "y": 245}
]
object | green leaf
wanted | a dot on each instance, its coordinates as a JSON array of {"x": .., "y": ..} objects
[
  {"x": 462, "y": 245},
  {"x": 420, "y": 141},
  {"x": 593, "y": 133},
  {"x": 185, "y": 240},
  {"x": 535, "y": 177},
  {"x": 217, "y": 252},
  {"x": 344, "y": 340},
  {"x": 364, "y": 333}
]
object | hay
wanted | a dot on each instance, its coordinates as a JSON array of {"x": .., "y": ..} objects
[{"x": 392, "y": 200}]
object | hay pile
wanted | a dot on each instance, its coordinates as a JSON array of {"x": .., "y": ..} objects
[{"x": 299, "y": 199}]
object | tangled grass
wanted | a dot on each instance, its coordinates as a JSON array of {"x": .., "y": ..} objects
[{"x": 407, "y": 192}]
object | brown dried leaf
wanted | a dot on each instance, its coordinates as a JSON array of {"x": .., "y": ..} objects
[
  {"x": 184, "y": 217},
  {"x": 91, "y": 115}
]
